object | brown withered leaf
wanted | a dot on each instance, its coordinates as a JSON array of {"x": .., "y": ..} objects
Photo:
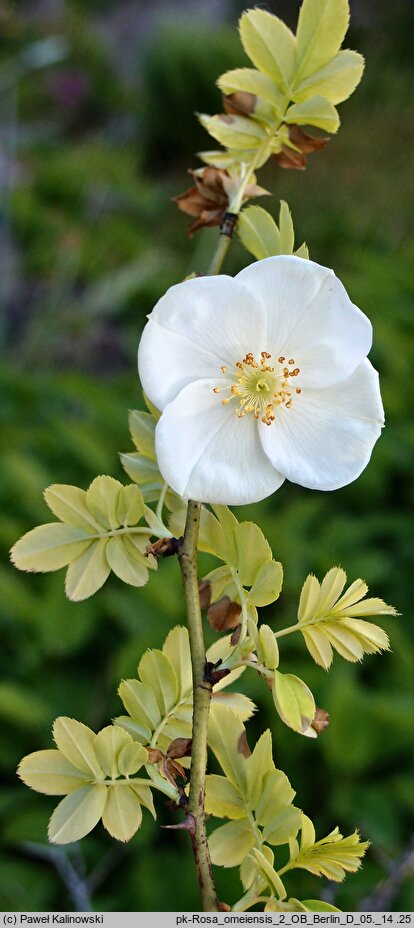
[
  {"x": 223, "y": 614},
  {"x": 168, "y": 766},
  {"x": 240, "y": 103},
  {"x": 320, "y": 721},
  {"x": 204, "y": 589},
  {"x": 209, "y": 199},
  {"x": 180, "y": 747},
  {"x": 236, "y": 635},
  {"x": 164, "y": 547},
  {"x": 296, "y": 158}
]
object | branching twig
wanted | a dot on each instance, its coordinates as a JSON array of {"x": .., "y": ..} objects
[{"x": 76, "y": 886}]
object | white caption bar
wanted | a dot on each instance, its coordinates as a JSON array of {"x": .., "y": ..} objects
[{"x": 180, "y": 919}]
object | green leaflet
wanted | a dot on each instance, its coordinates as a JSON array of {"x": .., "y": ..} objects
[
  {"x": 315, "y": 111},
  {"x": 294, "y": 702},
  {"x": 322, "y": 26},
  {"x": 51, "y": 773},
  {"x": 234, "y": 131},
  {"x": 336, "y": 81},
  {"x": 222, "y": 799},
  {"x": 77, "y": 814},
  {"x": 261, "y": 236},
  {"x": 269, "y": 44},
  {"x": 142, "y": 429},
  {"x": 108, "y": 745},
  {"x": 87, "y": 574},
  {"x": 267, "y": 585},
  {"x": 268, "y": 874},
  {"x": 77, "y": 743},
  {"x": 249, "y": 80},
  {"x": 230, "y": 843},
  {"x": 50, "y": 547},
  {"x": 122, "y": 814}
]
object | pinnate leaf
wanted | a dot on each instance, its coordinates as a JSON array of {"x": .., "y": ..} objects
[
  {"x": 102, "y": 499},
  {"x": 108, "y": 745},
  {"x": 69, "y": 505}
]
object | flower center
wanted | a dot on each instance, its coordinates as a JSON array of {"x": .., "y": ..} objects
[{"x": 260, "y": 387}]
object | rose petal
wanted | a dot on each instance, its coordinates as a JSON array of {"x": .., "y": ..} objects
[
  {"x": 325, "y": 440},
  {"x": 310, "y": 318},
  {"x": 206, "y": 453},
  {"x": 198, "y": 326}
]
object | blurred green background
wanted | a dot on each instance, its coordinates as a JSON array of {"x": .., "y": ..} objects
[{"x": 96, "y": 133}]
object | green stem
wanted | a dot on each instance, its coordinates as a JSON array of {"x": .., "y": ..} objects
[
  {"x": 223, "y": 246},
  {"x": 201, "y": 706}
]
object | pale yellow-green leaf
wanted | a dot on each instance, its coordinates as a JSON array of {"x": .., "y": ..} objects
[
  {"x": 240, "y": 705},
  {"x": 322, "y": 26},
  {"x": 258, "y": 232},
  {"x": 283, "y": 826},
  {"x": 347, "y": 644},
  {"x": 229, "y": 525},
  {"x": 176, "y": 648},
  {"x": 268, "y": 651},
  {"x": 331, "y": 589},
  {"x": 102, "y": 500},
  {"x": 77, "y": 814},
  {"x": 249, "y": 80},
  {"x": 51, "y": 773},
  {"x": 302, "y": 251},
  {"x": 69, "y": 504},
  {"x": 77, "y": 743},
  {"x": 108, "y": 745},
  {"x": 286, "y": 230},
  {"x": 372, "y": 638},
  {"x": 249, "y": 872},
  {"x": 258, "y": 765},
  {"x": 231, "y": 843},
  {"x": 145, "y": 797},
  {"x": 332, "y": 856},
  {"x": 253, "y": 550},
  {"x": 317, "y": 111},
  {"x": 138, "y": 731},
  {"x": 152, "y": 409},
  {"x": 224, "y": 731},
  {"x": 142, "y": 428},
  {"x": 122, "y": 815},
  {"x": 222, "y": 799},
  {"x": 131, "y": 758},
  {"x": 224, "y": 159},
  {"x": 140, "y": 702},
  {"x": 309, "y": 598},
  {"x": 267, "y": 585},
  {"x": 123, "y": 562},
  {"x": 140, "y": 469},
  {"x": 234, "y": 131},
  {"x": 318, "y": 645},
  {"x": 130, "y": 505},
  {"x": 222, "y": 582},
  {"x": 293, "y": 700},
  {"x": 336, "y": 81},
  {"x": 268, "y": 874},
  {"x": 276, "y": 794},
  {"x": 156, "y": 671},
  {"x": 49, "y": 547},
  {"x": 352, "y": 595},
  {"x": 269, "y": 44},
  {"x": 88, "y": 573},
  {"x": 315, "y": 905},
  {"x": 308, "y": 836}
]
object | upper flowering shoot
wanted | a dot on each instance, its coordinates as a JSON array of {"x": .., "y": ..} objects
[{"x": 260, "y": 378}]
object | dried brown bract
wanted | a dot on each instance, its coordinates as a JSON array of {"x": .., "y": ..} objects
[
  {"x": 296, "y": 158},
  {"x": 209, "y": 199}
]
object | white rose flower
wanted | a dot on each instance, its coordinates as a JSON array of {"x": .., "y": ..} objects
[{"x": 259, "y": 378}]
